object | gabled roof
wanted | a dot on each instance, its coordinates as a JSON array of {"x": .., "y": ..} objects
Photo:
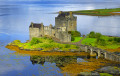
[{"x": 35, "y": 25}]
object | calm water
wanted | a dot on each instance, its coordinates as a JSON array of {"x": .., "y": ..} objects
[{"x": 16, "y": 16}]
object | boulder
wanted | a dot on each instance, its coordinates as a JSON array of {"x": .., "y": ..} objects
[
  {"x": 89, "y": 74},
  {"x": 110, "y": 70}
]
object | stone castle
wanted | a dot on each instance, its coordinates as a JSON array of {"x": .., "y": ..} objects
[{"x": 64, "y": 23}]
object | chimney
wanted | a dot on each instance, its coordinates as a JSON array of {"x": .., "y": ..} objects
[
  {"x": 50, "y": 25},
  {"x": 42, "y": 24},
  {"x": 32, "y": 24},
  {"x": 71, "y": 14},
  {"x": 60, "y": 12}
]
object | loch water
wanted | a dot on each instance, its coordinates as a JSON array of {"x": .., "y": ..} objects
[{"x": 15, "y": 18}]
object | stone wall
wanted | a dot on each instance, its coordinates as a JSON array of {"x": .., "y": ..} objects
[
  {"x": 69, "y": 22},
  {"x": 34, "y": 32}
]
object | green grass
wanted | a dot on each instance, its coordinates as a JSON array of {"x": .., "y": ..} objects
[
  {"x": 46, "y": 44},
  {"x": 77, "y": 39},
  {"x": 89, "y": 41},
  {"x": 105, "y": 74},
  {"x": 109, "y": 44},
  {"x": 97, "y": 12}
]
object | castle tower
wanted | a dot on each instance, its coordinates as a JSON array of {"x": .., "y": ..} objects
[{"x": 66, "y": 19}]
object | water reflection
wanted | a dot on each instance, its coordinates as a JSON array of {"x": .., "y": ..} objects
[
  {"x": 59, "y": 60},
  {"x": 15, "y": 18}
]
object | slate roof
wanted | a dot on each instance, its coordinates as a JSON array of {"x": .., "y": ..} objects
[
  {"x": 63, "y": 14},
  {"x": 35, "y": 25}
]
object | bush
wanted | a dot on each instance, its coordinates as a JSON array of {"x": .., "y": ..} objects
[
  {"x": 48, "y": 46},
  {"x": 35, "y": 41},
  {"x": 101, "y": 41},
  {"x": 72, "y": 38},
  {"x": 16, "y": 42},
  {"x": 116, "y": 39},
  {"x": 92, "y": 34},
  {"x": 110, "y": 39},
  {"x": 75, "y": 33},
  {"x": 67, "y": 46},
  {"x": 98, "y": 35}
]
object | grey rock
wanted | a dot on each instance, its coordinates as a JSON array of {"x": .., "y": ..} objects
[
  {"x": 89, "y": 74},
  {"x": 56, "y": 49},
  {"x": 110, "y": 70}
]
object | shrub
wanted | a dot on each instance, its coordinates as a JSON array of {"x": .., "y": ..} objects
[
  {"x": 16, "y": 42},
  {"x": 72, "y": 38},
  {"x": 98, "y": 35},
  {"x": 67, "y": 46},
  {"x": 116, "y": 39},
  {"x": 75, "y": 33},
  {"x": 101, "y": 41},
  {"x": 110, "y": 39},
  {"x": 35, "y": 41},
  {"x": 91, "y": 34}
]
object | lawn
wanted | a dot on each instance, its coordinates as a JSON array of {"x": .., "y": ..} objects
[
  {"x": 77, "y": 39},
  {"x": 109, "y": 44},
  {"x": 89, "y": 41}
]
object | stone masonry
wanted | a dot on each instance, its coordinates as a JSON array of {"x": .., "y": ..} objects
[{"x": 64, "y": 23}]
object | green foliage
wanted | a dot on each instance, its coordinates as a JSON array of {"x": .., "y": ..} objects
[
  {"x": 76, "y": 39},
  {"x": 101, "y": 41},
  {"x": 16, "y": 42},
  {"x": 74, "y": 34},
  {"x": 89, "y": 41},
  {"x": 35, "y": 41},
  {"x": 45, "y": 43},
  {"x": 98, "y": 35},
  {"x": 105, "y": 74},
  {"x": 72, "y": 38},
  {"x": 117, "y": 39},
  {"x": 92, "y": 34},
  {"x": 111, "y": 39},
  {"x": 67, "y": 46}
]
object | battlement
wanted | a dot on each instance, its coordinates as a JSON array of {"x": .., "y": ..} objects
[{"x": 64, "y": 22}]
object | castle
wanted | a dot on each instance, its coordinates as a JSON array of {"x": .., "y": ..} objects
[{"x": 64, "y": 23}]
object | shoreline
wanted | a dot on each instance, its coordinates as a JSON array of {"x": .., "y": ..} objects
[
  {"x": 35, "y": 52},
  {"x": 97, "y": 12}
]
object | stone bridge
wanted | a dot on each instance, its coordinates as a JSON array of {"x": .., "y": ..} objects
[{"x": 99, "y": 52}]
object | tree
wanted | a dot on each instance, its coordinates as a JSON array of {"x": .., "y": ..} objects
[{"x": 91, "y": 34}]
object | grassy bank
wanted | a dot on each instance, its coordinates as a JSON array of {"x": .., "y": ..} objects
[
  {"x": 98, "y": 12},
  {"x": 44, "y": 44},
  {"x": 77, "y": 39},
  {"x": 102, "y": 41}
]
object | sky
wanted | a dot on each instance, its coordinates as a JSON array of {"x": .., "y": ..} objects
[{"x": 58, "y": 1}]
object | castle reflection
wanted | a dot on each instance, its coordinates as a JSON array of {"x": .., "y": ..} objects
[{"x": 59, "y": 60}]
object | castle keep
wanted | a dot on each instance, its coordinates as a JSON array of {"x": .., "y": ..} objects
[{"x": 64, "y": 23}]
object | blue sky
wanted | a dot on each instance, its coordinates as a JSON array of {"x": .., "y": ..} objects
[
  {"x": 57, "y": 1},
  {"x": 74, "y": 1}
]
